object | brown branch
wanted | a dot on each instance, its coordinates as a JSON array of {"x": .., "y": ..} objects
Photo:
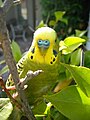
[
  {"x": 8, "y": 94},
  {"x": 4, "y": 39}
]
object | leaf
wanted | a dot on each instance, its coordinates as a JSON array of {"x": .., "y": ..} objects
[
  {"x": 64, "y": 20},
  {"x": 75, "y": 57},
  {"x": 72, "y": 103},
  {"x": 2, "y": 62},
  {"x": 16, "y": 114},
  {"x": 82, "y": 77},
  {"x": 70, "y": 44},
  {"x": 52, "y": 23},
  {"x": 41, "y": 24},
  {"x": 87, "y": 59},
  {"x": 73, "y": 40},
  {"x": 16, "y": 51},
  {"x": 5, "y": 108},
  {"x": 80, "y": 33},
  {"x": 39, "y": 108},
  {"x": 59, "y": 15},
  {"x": 4, "y": 70}
]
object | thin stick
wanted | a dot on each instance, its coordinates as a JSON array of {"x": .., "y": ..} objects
[
  {"x": 8, "y": 94},
  {"x": 4, "y": 39}
]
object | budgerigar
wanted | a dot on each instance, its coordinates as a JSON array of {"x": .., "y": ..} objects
[{"x": 42, "y": 55}]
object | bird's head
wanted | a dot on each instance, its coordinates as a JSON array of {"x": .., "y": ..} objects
[
  {"x": 44, "y": 39},
  {"x": 44, "y": 48}
]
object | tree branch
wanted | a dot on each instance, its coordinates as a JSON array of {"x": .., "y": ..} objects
[
  {"x": 4, "y": 39},
  {"x": 8, "y": 94}
]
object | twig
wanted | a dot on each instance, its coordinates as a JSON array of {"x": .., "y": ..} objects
[
  {"x": 8, "y": 94},
  {"x": 23, "y": 82},
  {"x": 4, "y": 39}
]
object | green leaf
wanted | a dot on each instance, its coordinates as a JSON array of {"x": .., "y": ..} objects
[
  {"x": 52, "y": 23},
  {"x": 87, "y": 59},
  {"x": 82, "y": 77},
  {"x": 16, "y": 51},
  {"x": 41, "y": 24},
  {"x": 72, "y": 103},
  {"x": 75, "y": 57},
  {"x": 16, "y": 114},
  {"x": 70, "y": 44},
  {"x": 4, "y": 70},
  {"x": 59, "y": 15},
  {"x": 39, "y": 108},
  {"x": 2, "y": 62},
  {"x": 5, "y": 108},
  {"x": 56, "y": 115},
  {"x": 64, "y": 20},
  {"x": 73, "y": 40},
  {"x": 80, "y": 33}
]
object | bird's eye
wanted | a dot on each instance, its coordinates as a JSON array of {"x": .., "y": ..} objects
[
  {"x": 46, "y": 42},
  {"x": 40, "y": 42}
]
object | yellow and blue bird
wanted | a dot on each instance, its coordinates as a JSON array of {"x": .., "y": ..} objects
[{"x": 42, "y": 55}]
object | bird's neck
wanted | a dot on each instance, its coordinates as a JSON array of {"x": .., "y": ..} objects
[{"x": 46, "y": 57}]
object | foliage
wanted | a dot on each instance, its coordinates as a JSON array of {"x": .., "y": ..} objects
[
  {"x": 17, "y": 55},
  {"x": 70, "y": 98},
  {"x": 72, "y": 19},
  {"x": 16, "y": 51},
  {"x": 72, "y": 102},
  {"x": 5, "y": 108}
]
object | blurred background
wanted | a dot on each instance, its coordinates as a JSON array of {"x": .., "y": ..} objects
[{"x": 66, "y": 17}]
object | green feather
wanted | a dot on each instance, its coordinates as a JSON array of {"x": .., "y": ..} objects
[{"x": 43, "y": 83}]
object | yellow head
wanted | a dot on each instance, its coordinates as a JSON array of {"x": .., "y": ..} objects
[
  {"x": 43, "y": 44},
  {"x": 45, "y": 33}
]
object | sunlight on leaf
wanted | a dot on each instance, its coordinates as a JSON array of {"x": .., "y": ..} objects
[
  {"x": 59, "y": 15},
  {"x": 4, "y": 70},
  {"x": 75, "y": 57},
  {"x": 64, "y": 20},
  {"x": 5, "y": 108},
  {"x": 52, "y": 23},
  {"x": 2, "y": 62},
  {"x": 72, "y": 103},
  {"x": 41, "y": 24},
  {"x": 80, "y": 33},
  {"x": 70, "y": 44},
  {"x": 16, "y": 51},
  {"x": 82, "y": 77}
]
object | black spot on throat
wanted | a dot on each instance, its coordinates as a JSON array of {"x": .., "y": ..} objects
[
  {"x": 55, "y": 53},
  {"x": 31, "y": 57},
  {"x": 51, "y": 62},
  {"x": 53, "y": 59}
]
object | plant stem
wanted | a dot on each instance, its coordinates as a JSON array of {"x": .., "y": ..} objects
[{"x": 4, "y": 39}]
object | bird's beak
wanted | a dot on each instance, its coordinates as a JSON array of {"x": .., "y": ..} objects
[
  {"x": 43, "y": 49},
  {"x": 43, "y": 46}
]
